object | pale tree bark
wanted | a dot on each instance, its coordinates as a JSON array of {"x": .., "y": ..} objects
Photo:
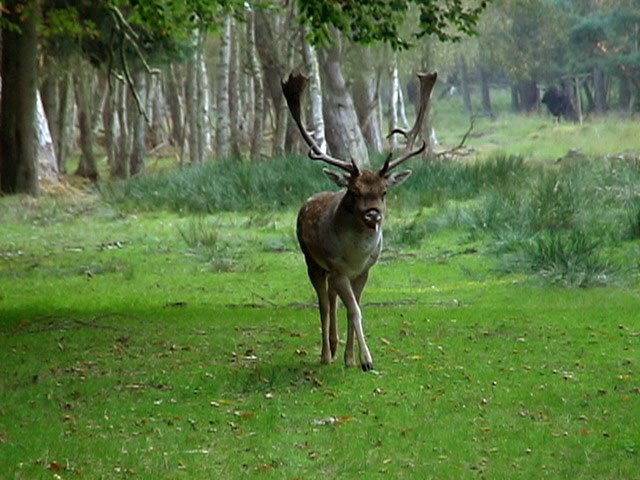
[
  {"x": 139, "y": 124},
  {"x": 84, "y": 82},
  {"x": 223, "y": 122},
  {"x": 191, "y": 95},
  {"x": 316, "y": 122},
  {"x": 235, "y": 119},
  {"x": 116, "y": 125},
  {"x": 342, "y": 130},
  {"x": 464, "y": 84},
  {"x": 366, "y": 99},
  {"x": 274, "y": 47},
  {"x": 258, "y": 89},
  {"x": 48, "y": 174},
  {"x": 487, "y": 107},
  {"x": 175, "y": 101},
  {"x": 395, "y": 102},
  {"x": 57, "y": 100}
]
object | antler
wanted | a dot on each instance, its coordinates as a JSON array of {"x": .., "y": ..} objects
[
  {"x": 292, "y": 89},
  {"x": 427, "y": 81}
]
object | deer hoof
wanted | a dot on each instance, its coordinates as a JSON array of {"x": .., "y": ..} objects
[{"x": 367, "y": 367}]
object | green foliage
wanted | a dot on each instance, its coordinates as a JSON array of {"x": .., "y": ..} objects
[
  {"x": 381, "y": 21},
  {"x": 223, "y": 186},
  {"x": 606, "y": 39}
]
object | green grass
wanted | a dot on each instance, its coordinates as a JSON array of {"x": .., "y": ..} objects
[
  {"x": 127, "y": 352},
  {"x": 536, "y": 136}
]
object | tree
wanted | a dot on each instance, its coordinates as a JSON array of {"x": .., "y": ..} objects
[
  {"x": 18, "y": 134},
  {"x": 607, "y": 43}
]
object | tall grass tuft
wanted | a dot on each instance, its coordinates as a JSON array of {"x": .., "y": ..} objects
[{"x": 221, "y": 186}]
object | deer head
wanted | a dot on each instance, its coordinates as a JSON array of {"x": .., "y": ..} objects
[{"x": 340, "y": 233}]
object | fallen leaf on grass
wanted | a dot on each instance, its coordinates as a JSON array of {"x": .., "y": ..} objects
[{"x": 57, "y": 467}]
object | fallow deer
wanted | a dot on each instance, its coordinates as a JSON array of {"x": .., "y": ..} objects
[{"x": 340, "y": 233}]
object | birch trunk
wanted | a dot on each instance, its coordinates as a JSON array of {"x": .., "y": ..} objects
[
  {"x": 139, "y": 127},
  {"x": 258, "y": 89},
  {"x": 316, "y": 123},
  {"x": 366, "y": 91},
  {"x": 234, "y": 92},
  {"x": 174, "y": 95},
  {"x": 83, "y": 80},
  {"x": 395, "y": 95},
  {"x": 223, "y": 147},
  {"x": 342, "y": 130},
  {"x": 48, "y": 174}
]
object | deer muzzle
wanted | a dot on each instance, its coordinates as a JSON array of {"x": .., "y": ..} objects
[{"x": 373, "y": 218}]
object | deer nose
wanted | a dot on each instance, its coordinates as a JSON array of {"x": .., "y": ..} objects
[{"x": 372, "y": 218}]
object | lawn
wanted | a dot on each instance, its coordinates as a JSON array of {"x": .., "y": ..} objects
[{"x": 152, "y": 344}]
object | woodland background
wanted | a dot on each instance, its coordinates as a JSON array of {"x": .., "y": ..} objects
[{"x": 122, "y": 81}]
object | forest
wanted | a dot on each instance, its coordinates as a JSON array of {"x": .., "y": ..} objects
[{"x": 108, "y": 85}]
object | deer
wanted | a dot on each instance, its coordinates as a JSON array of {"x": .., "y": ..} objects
[{"x": 340, "y": 232}]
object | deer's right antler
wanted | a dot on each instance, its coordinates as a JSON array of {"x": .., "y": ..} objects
[
  {"x": 293, "y": 89},
  {"x": 427, "y": 81}
]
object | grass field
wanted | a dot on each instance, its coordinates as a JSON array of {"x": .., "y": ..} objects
[{"x": 136, "y": 346}]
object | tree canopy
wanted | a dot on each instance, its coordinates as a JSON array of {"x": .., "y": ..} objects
[{"x": 369, "y": 21}]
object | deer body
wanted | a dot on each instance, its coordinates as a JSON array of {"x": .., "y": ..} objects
[{"x": 340, "y": 233}]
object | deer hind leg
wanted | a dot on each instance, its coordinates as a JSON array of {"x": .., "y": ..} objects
[
  {"x": 333, "y": 321},
  {"x": 343, "y": 286},
  {"x": 318, "y": 277}
]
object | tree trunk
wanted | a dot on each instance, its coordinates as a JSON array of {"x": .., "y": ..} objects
[
  {"x": 47, "y": 162},
  {"x": 464, "y": 85},
  {"x": 599, "y": 91},
  {"x": 275, "y": 50},
  {"x": 344, "y": 136},
  {"x": 174, "y": 95},
  {"x": 366, "y": 93},
  {"x": 117, "y": 138},
  {"x": 528, "y": 94},
  {"x": 66, "y": 111},
  {"x": 393, "y": 110},
  {"x": 138, "y": 146},
  {"x": 223, "y": 147},
  {"x": 234, "y": 92},
  {"x": 83, "y": 84},
  {"x": 18, "y": 133},
  {"x": 258, "y": 87},
  {"x": 487, "y": 108},
  {"x": 316, "y": 122},
  {"x": 428, "y": 131}
]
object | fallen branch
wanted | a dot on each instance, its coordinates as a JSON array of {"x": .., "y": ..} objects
[{"x": 460, "y": 146}]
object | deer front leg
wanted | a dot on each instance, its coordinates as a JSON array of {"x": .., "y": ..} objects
[{"x": 342, "y": 285}]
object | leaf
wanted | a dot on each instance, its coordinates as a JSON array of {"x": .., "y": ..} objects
[{"x": 57, "y": 467}]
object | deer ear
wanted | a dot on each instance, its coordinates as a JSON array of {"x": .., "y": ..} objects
[
  {"x": 396, "y": 178},
  {"x": 338, "y": 178}
]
